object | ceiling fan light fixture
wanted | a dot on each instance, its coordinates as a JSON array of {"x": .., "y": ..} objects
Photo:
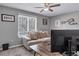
[{"x": 46, "y": 9}]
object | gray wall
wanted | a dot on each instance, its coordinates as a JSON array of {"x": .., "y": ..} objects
[
  {"x": 62, "y": 17},
  {"x": 9, "y": 30}
]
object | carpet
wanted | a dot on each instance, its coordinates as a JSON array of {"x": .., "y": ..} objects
[{"x": 18, "y": 51}]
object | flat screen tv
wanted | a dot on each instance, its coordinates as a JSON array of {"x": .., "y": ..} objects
[{"x": 58, "y": 39}]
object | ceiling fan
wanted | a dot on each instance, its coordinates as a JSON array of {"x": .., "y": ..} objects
[{"x": 48, "y": 7}]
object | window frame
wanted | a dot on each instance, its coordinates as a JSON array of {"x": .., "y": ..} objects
[{"x": 27, "y": 25}]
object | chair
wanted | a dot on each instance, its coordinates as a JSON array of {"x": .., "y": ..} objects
[{"x": 68, "y": 45}]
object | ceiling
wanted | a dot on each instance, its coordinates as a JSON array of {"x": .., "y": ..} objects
[{"x": 64, "y": 8}]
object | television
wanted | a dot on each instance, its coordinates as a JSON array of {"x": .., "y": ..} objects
[{"x": 59, "y": 39}]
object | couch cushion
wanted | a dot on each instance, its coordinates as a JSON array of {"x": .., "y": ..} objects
[
  {"x": 38, "y": 35},
  {"x": 45, "y": 34},
  {"x": 42, "y": 35},
  {"x": 33, "y": 35}
]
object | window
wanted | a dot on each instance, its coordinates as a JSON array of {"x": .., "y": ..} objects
[
  {"x": 32, "y": 24},
  {"x": 26, "y": 24}
]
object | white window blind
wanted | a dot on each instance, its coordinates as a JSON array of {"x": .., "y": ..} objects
[
  {"x": 32, "y": 24},
  {"x": 26, "y": 24},
  {"x": 22, "y": 24}
]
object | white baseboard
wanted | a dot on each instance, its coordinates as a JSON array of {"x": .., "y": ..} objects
[{"x": 13, "y": 46}]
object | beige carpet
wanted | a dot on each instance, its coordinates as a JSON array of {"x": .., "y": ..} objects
[{"x": 19, "y": 51}]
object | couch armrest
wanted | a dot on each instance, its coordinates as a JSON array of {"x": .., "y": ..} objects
[
  {"x": 26, "y": 37},
  {"x": 32, "y": 42}
]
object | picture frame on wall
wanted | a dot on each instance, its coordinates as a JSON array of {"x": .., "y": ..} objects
[
  {"x": 7, "y": 18},
  {"x": 58, "y": 23},
  {"x": 45, "y": 21}
]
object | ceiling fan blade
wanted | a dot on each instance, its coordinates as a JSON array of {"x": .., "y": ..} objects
[
  {"x": 42, "y": 10},
  {"x": 39, "y": 7},
  {"x": 55, "y": 5},
  {"x": 50, "y": 10}
]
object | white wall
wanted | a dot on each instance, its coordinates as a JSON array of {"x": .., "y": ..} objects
[
  {"x": 62, "y": 17},
  {"x": 9, "y": 30}
]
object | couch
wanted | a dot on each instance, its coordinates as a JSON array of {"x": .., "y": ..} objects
[{"x": 36, "y": 38}]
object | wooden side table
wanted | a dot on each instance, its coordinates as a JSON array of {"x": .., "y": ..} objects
[{"x": 42, "y": 51}]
